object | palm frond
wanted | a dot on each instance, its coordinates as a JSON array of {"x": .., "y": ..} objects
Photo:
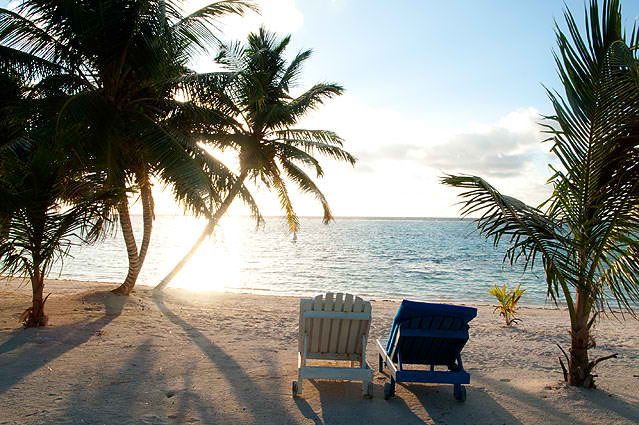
[
  {"x": 22, "y": 33},
  {"x": 327, "y": 143},
  {"x": 292, "y": 73},
  {"x": 312, "y": 99},
  {"x": 530, "y": 232},
  {"x": 306, "y": 184},
  {"x": 285, "y": 202},
  {"x": 31, "y": 66},
  {"x": 201, "y": 27}
]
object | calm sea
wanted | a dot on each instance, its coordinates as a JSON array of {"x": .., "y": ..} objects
[{"x": 422, "y": 259}]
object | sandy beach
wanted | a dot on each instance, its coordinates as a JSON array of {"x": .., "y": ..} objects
[{"x": 209, "y": 358}]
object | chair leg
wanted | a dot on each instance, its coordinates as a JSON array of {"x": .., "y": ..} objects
[
  {"x": 381, "y": 363},
  {"x": 367, "y": 389},
  {"x": 389, "y": 389},
  {"x": 300, "y": 380}
]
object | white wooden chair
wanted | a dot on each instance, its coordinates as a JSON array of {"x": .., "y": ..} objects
[{"x": 334, "y": 328}]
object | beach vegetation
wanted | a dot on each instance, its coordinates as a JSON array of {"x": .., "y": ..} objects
[
  {"x": 119, "y": 66},
  {"x": 271, "y": 149},
  {"x": 508, "y": 299},
  {"x": 587, "y": 233},
  {"x": 48, "y": 201}
]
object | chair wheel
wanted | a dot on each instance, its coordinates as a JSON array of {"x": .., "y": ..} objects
[
  {"x": 459, "y": 392},
  {"x": 387, "y": 391},
  {"x": 294, "y": 389}
]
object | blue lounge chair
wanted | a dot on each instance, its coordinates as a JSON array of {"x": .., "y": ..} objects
[{"x": 427, "y": 334}]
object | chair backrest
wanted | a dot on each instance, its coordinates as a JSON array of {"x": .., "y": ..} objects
[
  {"x": 334, "y": 325},
  {"x": 426, "y": 333}
]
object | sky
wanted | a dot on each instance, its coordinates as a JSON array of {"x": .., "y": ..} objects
[{"x": 431, "y": 87}]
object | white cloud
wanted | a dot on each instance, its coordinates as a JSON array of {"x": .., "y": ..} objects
[
  {"x": 506, "y": 149},
  {"x": 401, "y": 159},
  {"x": 281, "y": 16}
]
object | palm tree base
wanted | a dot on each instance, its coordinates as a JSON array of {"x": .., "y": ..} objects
[
  {"x": 34, "y": 316},
  {"x": 30, "y": 319},
  {"x": 123, "y": 290}
]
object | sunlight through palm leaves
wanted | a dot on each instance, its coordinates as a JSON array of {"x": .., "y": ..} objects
[
  {"x": 119, "y": 62},
  {"x": 270, "y": 149}
]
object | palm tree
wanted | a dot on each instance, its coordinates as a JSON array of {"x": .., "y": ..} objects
[
  {"x": 587, "y": 232},
  {"x": 122, "y": 62},
  {"x": 270, "y": 148},
  {"x": 38, "y": 227},
  {"x": 48, "y": 201}
]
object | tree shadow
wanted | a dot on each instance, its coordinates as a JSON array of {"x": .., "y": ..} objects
[
  {"x": 608, "y": 402},
  {"x": 243, "y": 386},
  {"x": 131, "y": 395},
  {"x": 27, "y": 350},
  {"x": 439, "y": 402},
  {"x": 535, "y": 403},
  {"x": 117, "y": 399},
  {"x": 187, "y": 398}
]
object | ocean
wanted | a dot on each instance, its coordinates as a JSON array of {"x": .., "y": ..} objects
[{"x": 429, "y": 259}]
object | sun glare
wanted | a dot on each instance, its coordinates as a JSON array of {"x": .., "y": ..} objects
[{"x": 215, "y": 266}]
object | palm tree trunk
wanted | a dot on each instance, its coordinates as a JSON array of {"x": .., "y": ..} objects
[
  {"x": 136, "y": 259},
  {"x": 578, "y": 370},
  {"x": 147, "y": 217},
  {"x": 205, "y": 233},
  {"x": 131, "y": 249},
  {"x": 34, "y": 316}
]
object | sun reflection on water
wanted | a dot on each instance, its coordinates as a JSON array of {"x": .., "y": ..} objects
[
  {"x": 216, "y": 264},
  {"x": 418, "y": 259}
]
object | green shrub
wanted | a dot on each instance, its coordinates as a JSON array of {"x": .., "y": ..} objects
[{"x": 507, "y": 302}]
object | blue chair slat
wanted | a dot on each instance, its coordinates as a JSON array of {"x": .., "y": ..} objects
[
  {"x": 430, "y": 316},
  {"x": 435, "y": 350}
]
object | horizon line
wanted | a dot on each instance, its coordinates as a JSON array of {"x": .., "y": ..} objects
[{"x": 337, "y": 217}]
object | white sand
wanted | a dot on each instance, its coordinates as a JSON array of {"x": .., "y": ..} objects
[{"x": 230, "y": 358}]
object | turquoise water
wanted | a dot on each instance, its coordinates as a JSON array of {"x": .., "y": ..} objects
[{"x": 423, "y": 259}]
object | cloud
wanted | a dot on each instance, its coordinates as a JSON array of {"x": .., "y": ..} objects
[
  {"x": 498, "y": 152},
  {"x": 508, "y": 148},
  {"x": 402, "y": 157},
  {"x": 280, "y": 16}
]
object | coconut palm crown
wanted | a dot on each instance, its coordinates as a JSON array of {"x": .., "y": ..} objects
[
  {"x": 271, "y": 149},
  {"x": 587, "y": 232},
  {"x": 121, "y": 63}
]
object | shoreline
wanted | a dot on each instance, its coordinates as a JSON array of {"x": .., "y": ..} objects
[
  {"x": 185, "y": 357},
  {"x": 240, "y": 291}
]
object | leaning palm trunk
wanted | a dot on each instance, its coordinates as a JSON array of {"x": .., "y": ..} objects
[
  {"x": 208, "y": 230},
  {"x": 269, "y": 147},
  {"x": 136, "y": 259}
]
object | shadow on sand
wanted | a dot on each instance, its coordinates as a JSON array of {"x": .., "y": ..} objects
[
  {"x": 581, "y": 396},
  {"x": 263, "y": 406},
  {"x": 27, "y": 350},
  {"x": 342, "y": 402}
]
